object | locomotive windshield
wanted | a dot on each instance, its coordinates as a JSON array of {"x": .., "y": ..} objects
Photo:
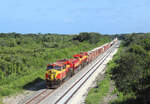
[
  {"x": 57, "y": 67},
  {"x": 49, "y": 67},
  {"x": 54, "y": 67}
]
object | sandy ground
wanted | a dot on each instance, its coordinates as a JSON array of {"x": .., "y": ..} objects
[{"x": 14, "y": 99}]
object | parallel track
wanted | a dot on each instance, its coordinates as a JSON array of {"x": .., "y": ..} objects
[
  {"x": 65, "y": 97},
  {"x": 69, "y": 93}
]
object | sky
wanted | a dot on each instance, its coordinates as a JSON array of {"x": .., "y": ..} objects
[{"x": 74, "y": 16}]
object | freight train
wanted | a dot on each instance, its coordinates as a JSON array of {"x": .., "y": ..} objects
[{"x": 62, "y": 70}]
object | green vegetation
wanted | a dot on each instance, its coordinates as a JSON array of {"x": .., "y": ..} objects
[
  {"x": 95, "y": 95},
  {"x": 132, "y": 72},
  {"x": 23, "y": 57}
]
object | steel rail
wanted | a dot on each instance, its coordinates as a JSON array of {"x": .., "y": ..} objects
[
  {"x": 99, "y": 63},
  {"x": 36, "y": 98},
  {"x": 30, "y": 101}
]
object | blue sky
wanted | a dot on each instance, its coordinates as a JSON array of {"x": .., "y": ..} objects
[{"x": 74, "y": 16}]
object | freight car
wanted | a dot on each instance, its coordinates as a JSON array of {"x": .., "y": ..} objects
[{"x": 62, "y": 70}]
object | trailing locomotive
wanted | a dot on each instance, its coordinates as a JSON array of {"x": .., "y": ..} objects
[{"x": 62, "y": 70}]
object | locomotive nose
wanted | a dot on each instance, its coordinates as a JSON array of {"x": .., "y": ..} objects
[{"x": 52, "y": 75}]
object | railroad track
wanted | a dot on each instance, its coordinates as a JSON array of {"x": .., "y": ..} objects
[
  {"x": 73, "y": 89},
  {"x": 38, "y": 98}
]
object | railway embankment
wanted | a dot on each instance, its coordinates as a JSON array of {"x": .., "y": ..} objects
[{"x": 103, "y": 90}]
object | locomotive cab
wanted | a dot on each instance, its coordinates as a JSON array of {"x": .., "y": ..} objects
[{"x": 56, "y": 73}]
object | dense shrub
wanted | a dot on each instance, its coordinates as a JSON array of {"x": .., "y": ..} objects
[{"x": 132, "y": 73}]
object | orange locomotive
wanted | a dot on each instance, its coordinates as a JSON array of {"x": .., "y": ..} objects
[
  {"x": 62, "y": 70},
  {"x": 57, "y": 72}
]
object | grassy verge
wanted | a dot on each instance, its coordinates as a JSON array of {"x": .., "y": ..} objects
[
  {"x": 96, "y": 95},
  {"x": 1, "y": 101}
]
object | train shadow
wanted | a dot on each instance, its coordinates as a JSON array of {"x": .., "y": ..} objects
[{"x": 35, "y": 85}]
